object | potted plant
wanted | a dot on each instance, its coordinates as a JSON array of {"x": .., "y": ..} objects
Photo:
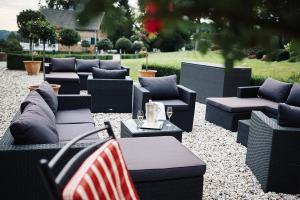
[
  {"x": 32, "y": 67},
  {"x": 44, "y": 31},
  {"x": 146, "y": 72}
]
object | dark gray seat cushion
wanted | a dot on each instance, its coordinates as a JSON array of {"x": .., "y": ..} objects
[
  {"x": 109, "y": 74},
  {"x": 294, "y": 96},
  {"x": 63, "y": 76},
  {"x": 63, "y": 64},
  {"x": 67, "y": 132},
  {"x": 48, "y": 94},
  {"x": 110, "y": 65},
  {"x": 288, "y": 115},
  {"x": 161, "y": 87},
  {"x": 159, "y": 159},
  {"x": 76, "y": 116},
  {"x": 274, "y": 90},
  {"x": 34, "y": 127},
  {"x": 235, "y": 104},
  {"x": 35, "y": 98},
  {"x": 176, "y": 104},
  {"x": 86, "y": 65}
]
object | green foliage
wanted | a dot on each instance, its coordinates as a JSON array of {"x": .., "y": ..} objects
[
  {"x": 85, "y": 44},
  {"x": 61, "y": 4},
  {"x": 132, "y": 56},
  {"x": 137, "y": 46},
  {"x": 10, "y": 45},
  {"x": 68, "y": 37},
  {"x": 13, "y": 36},
  {"x": 104, "y": 44},
  {"x": 42, "y": 29},
  {"x": 124, "y": 44},
  {"x": 283, "y": 55},
  {"x": 164, "y": 70},
  {"x": 22, "y": 20}
]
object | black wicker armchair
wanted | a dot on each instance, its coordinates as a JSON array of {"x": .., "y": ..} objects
[
  {"x": 110, "y": 95},
  {"x": 183, "y": 108},
  {"x": 273, "y": 154}
]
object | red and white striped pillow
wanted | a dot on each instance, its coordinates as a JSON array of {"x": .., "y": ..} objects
[{"x": 103, "y": 175}]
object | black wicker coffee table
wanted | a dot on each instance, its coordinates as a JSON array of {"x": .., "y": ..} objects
[{"x": 130, "y": 128}]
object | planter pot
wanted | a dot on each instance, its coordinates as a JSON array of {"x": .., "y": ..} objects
[
  {"x": 32, "y": 67},
  {"x": 147, "y": 73},
  {"x": 55, "y": 87}
]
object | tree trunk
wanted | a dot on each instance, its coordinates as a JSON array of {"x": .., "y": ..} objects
[
  {"x": 44, "y": 71},
  {"x": 69, "y": 50},
  {"x": 30, "y": 48}
]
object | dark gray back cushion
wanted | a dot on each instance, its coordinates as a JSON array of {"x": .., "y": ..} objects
[
  {"x": 161, "y": 87},
  {"x": 34, "y": 127},
  {"x": 86, "y": 65},
  {"x": 35, "y": 98},
  {"x": 48, "y": 94},
  {"x": 110, "y": 65},
  {"x": 274, "y": 90},
  {"x": 109, "y": 74},
  {"x": 288, "y": 115},
  {"x": 63, "y": 64},
  {"x": 294, "y": 96}
]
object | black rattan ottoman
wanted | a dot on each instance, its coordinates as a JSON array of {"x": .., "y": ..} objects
[{"x": 243, "y": 131}]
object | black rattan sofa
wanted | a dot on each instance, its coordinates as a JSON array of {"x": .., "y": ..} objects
[
  {"x": 72, "y": 73},
  {"x": 273, "y": 154},
  {"x": 168, "y": 171},
  {"x": 227, "y": 111},
  {"x": 110, "y": 95},
  {"x": 183, "y": 105}
]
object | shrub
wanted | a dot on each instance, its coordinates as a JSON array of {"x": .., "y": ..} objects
[
  {"x": 164, "y": 70},
  {"x": 104, "y": 44},
  {"x": 85, "y": 44},
  {"x": 137, "y": 46},
  {"x": 282, "y": 55},
  {"x": 131, "y": 56},
  {"x": 124, "y": 44},
  {"x": 260, "y": 54},
  {"x": 68, "y": 37}
]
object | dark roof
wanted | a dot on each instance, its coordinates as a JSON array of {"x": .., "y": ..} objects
[{"x": 67, "y": 19}]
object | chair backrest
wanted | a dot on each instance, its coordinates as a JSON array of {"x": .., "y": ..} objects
[
  {"x": 103, "y": 175},
  {"x": 57, "y": 177}
]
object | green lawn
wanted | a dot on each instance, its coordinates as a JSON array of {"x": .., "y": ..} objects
[{"x": 278, "y": 70}]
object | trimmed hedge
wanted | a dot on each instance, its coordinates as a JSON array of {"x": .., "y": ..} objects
[
  {"x": 132, "y": 56},
  {"x": 15, "y": 61},
  {"x": 163, "y": 70}
]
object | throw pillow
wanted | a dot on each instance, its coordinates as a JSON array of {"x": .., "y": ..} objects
[
  {"x": 294, "y": 96},
  {"x": 63, "y": 64},
  {"x": 35, "y": 98},
  {"x": 86, "y": 65},
  {"x": 108, "y": 74},
  {"x": 161, "y": 87},
  {"x": 110, "y": 65},
  {"x": 33, "y": 127},
  {"x": 48, "y": 94},
  {"x": 288, "y": 115},
  {"x": 274, "y": 90}
]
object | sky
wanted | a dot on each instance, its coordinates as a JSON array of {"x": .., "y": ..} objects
[{"x": 9, "y": 9}]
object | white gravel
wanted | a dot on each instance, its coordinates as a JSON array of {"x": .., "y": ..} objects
[{"x": 227, "y": 176}]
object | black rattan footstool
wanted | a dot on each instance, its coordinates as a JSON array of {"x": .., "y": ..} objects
[{"x": 243, "y": 131}]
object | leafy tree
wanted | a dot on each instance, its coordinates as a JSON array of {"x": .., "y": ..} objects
[
  {"x": 23, "y": 18},
  {"x": 85, "y": 44},
  {"x": 14, "y": 36},
  {"x": 68, "y": 37},
  {"x": 10, "y": 45},
  {"x": 137, "y": 46},
  {"x": 104, "y": 44},
  {"x": 44, "y": 31},
  {"x": 238, "y": 24},
  {"x": 61, "y": 4},
  {"x": 124, "y": 44}
]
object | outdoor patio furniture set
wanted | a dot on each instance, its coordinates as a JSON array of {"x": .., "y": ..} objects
[
  {"x": 46, "y": 122},
  {"x": 267, "y": 118}
]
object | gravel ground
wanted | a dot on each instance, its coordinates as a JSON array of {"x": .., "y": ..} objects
[{"x": 227, "y": 176}]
